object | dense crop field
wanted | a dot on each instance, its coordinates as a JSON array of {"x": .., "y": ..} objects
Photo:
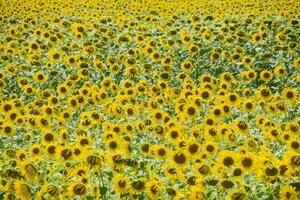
[{"x": 186, "y": 99}]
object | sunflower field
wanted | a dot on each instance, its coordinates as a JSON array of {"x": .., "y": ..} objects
[{"x": 149, "y": 99}]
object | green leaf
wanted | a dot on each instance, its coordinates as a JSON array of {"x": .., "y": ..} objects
[{"x": 103, "y": 190}]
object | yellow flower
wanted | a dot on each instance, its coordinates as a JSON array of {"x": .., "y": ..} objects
[
  {"x": 296, "y": 63},
  {"x": 71, "y": 61},
  {"x": 7, "y": 129},
  {"x": 22, "y": 190},
  {"x": 257, "y": 38},
  {"x": 248, "y": 105},
  {"x": 121, "y": 184},
  {"x": 241, "y": 126},
  {"x": 29, "y": 171},
  {"x": 287, "y": 193},
  {"x": 40, "y": 77},
  {"x": 77, "y": 188},
  {"x": 265, "y": 75},
  {"x": 179, "y": 159},
  {"x": 55, "y": 55},
  {"x": 279, "y": 71},
  {"x": 247, "y": 61},
  {"x": 290, "y": 95},
  {"x": 51, "y": 189}
]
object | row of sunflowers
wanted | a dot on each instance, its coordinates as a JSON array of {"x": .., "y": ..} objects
[{"x": 149, "y": 99}]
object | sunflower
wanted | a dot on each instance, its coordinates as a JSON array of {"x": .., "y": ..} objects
[
  {"x": 210, "y": 121},
  {"x": 121, "y": 184},
  {"x": 290, "y": 95},
  {"x": 281, "y": 38},
  {"x": 193, "y": 49},
  {"x": 264, "y": 93},
  {"x": 139, "y": 38},
  {"x": 98, "y": 65},
  {"x": 247, "y": 61},
  {"x": 83, "y": 73},
  {"x": 80, "y": 152},
  {"x": 257, "y": 38},
  {"x": 113, "y": 145},
  {"x": 12, "y": 115},
  {"x": 296, "y": 63},
  {"x": 55, "y": 55},
  {"x": 66, "y": 115},
  {"x": 29, "y": 171},
  {"x": 205, "y": 94},
  {"x": 36, "y": 150},
  {"x": 94, "y": 161},
  {"x": 80, "y": 170},
  {"x": 206, "y": 36},
  {"x": 64, "y": 153},
  {"x": 157, "y": 115},
  {"x": 51, "y": 189},
  {"x": 53, "y": 100},
  {"x": 226, "y": 184},
  {"x": 196, "y": 193},
  {"x": 21, "y": 155},
  {"x": 233, "y": 98},
  {"x": 292, "y": 159},
  {"x": 190, "y": 111},
  {"x": 202, "y": 169},
  {"x": 130, "y": 111},
  {"x": 211, "y": 133},
  {"x": 160, "y": 151},
  {"x": 48, "y": 111},
  {"x": 215, "y": 56},
  {"x": 29, "y": 90},
  {"x": 48, "y": 136},
  {"x": 280, "y": 70},
  {"x": 227, "y": 158},
  {"x": 174, "y": 133},
  {"x": 281, "y": 107},
  {"x": 51, "y": 150},
  {"x": 179, "y": 159},
  {"x": 154, "y": 188},
  {"x": 217, "y": 111},
  {"x": 38, "y": 32},
  {"x": 62, "y": 89},
  {"x": 137, "y": 186},
  {"x": 22, "y": 190},
  {"x": 210, "y": 147},
  {"x": 33, "y": 46},
  {"x": 71, "y": 61},
  {"x": 187, "y": 66},
  {"x": 77, "y": 188},
  {"x": 7, "y": 129},
  {"x": 250, "y": 75},
  {"x": 224, "y": 85},
  {"x": 248, "y": 105},
  {"x": 294, "y": 145},
  {"x": 43, "y": 122},
  {"x": 247, "y": 162},
  {"x": 155, "y": 56},
  {"x": 288, "y": 193},
  {"x": 2, "y": 84},
  {"x": 265, "y": 75},
  {"x": 46, "y": 35},
  {"x": 84, "y": 140},
  {"x": 6, "y": 106},
  {"x": 271, "y": 109},
  {"x": 274, "y": 133},
  {"x": 241, "y": 126},
  {"x": 193, "y": 148},
  {"x": 268, "y": 173}
]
